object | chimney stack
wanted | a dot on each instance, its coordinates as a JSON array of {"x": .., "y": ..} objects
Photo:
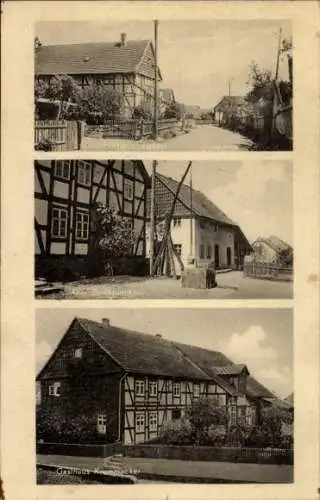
[
  {"x": 105, "y": 322},
  {"x": 123, "y": 39}
]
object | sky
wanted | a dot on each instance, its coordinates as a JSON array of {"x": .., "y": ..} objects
[
  {"x": 196, "y": 58},
  {"x": 256, "y": 194},
  {"x": 260, "y": 338}
]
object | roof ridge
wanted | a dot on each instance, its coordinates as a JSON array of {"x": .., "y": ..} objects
[{"x": 102, "y": 42}]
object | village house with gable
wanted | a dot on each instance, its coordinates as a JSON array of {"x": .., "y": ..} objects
[
  {"x": 126, "y": 66},
  {"x": 199, "y": 228},
  {"x": 130, "y": 384},
  {"x": 269, "y": 250},
  {"x": 66, "y": 192}
]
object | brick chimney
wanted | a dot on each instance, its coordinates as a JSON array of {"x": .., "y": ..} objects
[
  {"x": 123, "y": 39},
  {"x": 105, "y": 322}
]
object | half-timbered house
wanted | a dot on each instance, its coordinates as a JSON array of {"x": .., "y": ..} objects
[
  {"x": 126, "y": 66},
  {"x": 66, "y": 194},
  {"x": 128, "y": 385}
]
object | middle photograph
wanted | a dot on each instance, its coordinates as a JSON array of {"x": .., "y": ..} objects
[{"x": 138, "y": 229}]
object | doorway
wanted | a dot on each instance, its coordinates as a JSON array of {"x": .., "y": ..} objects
[
  {"x": 216, "y": 256},
  {"x": 228, "y": 256}
]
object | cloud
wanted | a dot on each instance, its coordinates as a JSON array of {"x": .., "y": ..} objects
[
  {"x": 43, "y": 352},
  {"x": 262, "y": 360}
]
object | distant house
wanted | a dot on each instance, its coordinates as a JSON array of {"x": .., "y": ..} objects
[
  {"x": 227, "y": 106},
  {"x": 270, "y": 250},
  {"x": 199, "y": 228},
  {"x": 167, "y": 96},
  {"x": 191, "y": 111},
  {"x": 126, "y": 66},
  {"x": 66, "y": 192},
  {"x": 128, "y": 385}
]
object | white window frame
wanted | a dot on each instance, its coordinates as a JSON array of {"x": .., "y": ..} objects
[
  {"x": 176, "y": 389},
  {"x": 140, "y": 387},
  {"x": 82, "y": 224},
  {"x": 61, "y": 210},
  {"x": 101, "y": 423},
  {"x": 78, "y": 352},
  {"x": 153, "y": 388},
  {"x": 62, "y": 169},
  {"x": 153, "y": 421},
  {"x": 127, "y": 186},
  {"x": 176, "y": 221},
  {"x": 84, "y": 173},
  {"x": 140, "y": 422},
  {"x": 55, "y": 389},
  {"x": 196, "y": 390}
]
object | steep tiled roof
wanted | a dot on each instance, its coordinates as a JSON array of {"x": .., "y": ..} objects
[
  {"x": 231, "y": 369},
  {"x": 232, "y": 100},
  {"x": 146, "y": 354},
  {"x": 201, "y": 206},
  {"x": 141, "y": 353},
  {"x": 167, "y": 94},
  {"x": 90, "y": 58},
  {"x": 209, "y": 361}
]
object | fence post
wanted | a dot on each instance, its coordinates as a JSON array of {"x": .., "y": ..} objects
[{"x": 80, "y": 133}]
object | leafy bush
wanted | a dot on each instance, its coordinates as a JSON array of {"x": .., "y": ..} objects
[
  {"x": 44, "y": 145},
  {"x": 177, "y": 432}
]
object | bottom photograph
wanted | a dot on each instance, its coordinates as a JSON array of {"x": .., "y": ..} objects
[{"x": 139, "y": 395}]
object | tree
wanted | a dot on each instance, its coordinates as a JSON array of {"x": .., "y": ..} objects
[
  {"x": 111, "y": 237},
  {"x": 260, "y": 84},
  {"x": 98, "y": 101},
  {"x": 272, "y": 418},
  {"x": 285, "y": 257},
  {"x": 204, "y": 413},
  {"x": 115, "y": 233},
  {"x": 61, "y": 90},
  {"x": 173, "y": 110}
]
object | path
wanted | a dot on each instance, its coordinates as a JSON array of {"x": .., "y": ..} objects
[
  {"x": 231, "y": 285},
  {"x": 185, "y": 470},
  {"x": 203, "y": 137}
]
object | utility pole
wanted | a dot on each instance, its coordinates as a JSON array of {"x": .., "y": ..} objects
[
  {"x": 155, "y": 113},
  {"x": 152, "y": 216},
  {"x": 278, "y": 54},
  {"x": 191, "y": 219}
]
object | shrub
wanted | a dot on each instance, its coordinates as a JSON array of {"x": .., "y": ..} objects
[
  {"x": 177, "y": 432},
  {"x": 44, "y": 145}
]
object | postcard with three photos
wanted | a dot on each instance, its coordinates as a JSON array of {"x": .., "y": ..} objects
[{"x": 160, "y": 250}]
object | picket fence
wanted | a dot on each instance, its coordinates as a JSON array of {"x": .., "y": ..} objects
[
  {"x": 60, "y": 135},
  {"x": 129, "y": 128}
]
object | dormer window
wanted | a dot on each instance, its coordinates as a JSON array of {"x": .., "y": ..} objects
[{"x": 78, "y": 353}]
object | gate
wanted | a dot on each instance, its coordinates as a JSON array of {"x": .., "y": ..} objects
[{"x": 61, "y": 135}]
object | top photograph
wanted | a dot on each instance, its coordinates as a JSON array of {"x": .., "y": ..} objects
[{"x": 213, "y": 85}]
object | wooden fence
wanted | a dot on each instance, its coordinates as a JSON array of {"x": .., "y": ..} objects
[
  {"x": 58, "y": 135},
  {"x": 129, "y": 128},
  {"x": 267, "y": 270},
  {"x": 211, "y": 453}
]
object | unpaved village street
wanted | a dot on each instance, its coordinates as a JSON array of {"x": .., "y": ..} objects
[
  {"x": 231, "y": 285},
  {"x": 203, "y": 137}
]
